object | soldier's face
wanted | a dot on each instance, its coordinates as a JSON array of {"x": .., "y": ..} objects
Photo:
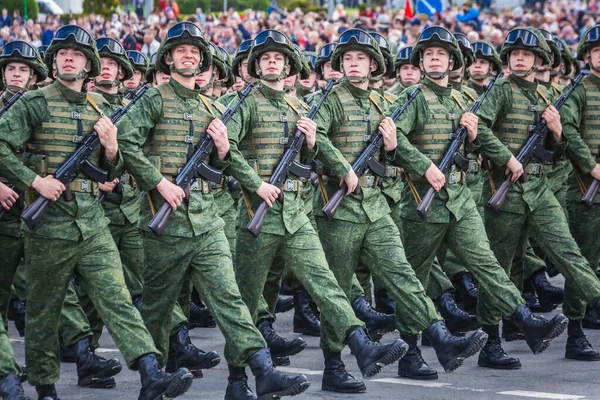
[
  {"x": 310, "y": 81},
  {"x": 244, "y": 70},
  {"x": 205, "y": 77},
  {"x": 239, "y": 83},
  {"x": 70, "y": 61},
  {"x": 436, "y": 59},
  {"x": 290, "y": 81},
  {"x": 409, "y": 74},
  {"x": 522, "y": 60},
  {"x": 480, "y": 67},
  {"x": 271, "y": 62},
  {"x": 186, "y": 56},
  {"x": 109, "y": 70},
  {"x": 162, "y": 78},
  {"x": 135, "y": 80},
  {"x": 593, "y": 57},
  {"x": 329, "y": 73},
  {"x": 357, "y": 63},
  {"x": 17, "y": 74}
]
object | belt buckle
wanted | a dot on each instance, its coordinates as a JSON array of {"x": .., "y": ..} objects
[
  {"x": 77, "y": 139},
  {"x": 367, "y": 138},
  {"x": 283, "y": 118},
  {"x": 188, "y": 116},
  {"x": 473, "y": 164},
  {"x": 367, "y": 117},
  {"x": 290, "y": 185},
  {"x": 284, "y": 140},
  {"x": 535, "y": 169},
  {"x": 451, "y": 117},
  {"x": 534, "y": 107},
  {"x": 205, "y": 186},
  {"x": 188, "y": 139},
  {"x": 452, "y": 177},
  {"x": 76, "y": 115},
  {"x": 124, "y": 178},
  {"x": 530, "y": 128},
  {"x": 84, "y": 186},
  {"x": 194, "y": 185},
  {"x": 369, "y": 179}
]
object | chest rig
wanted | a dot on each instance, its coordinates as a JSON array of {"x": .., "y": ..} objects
[
  {"x": 273, "y": 127},
  {"x": 590, "y": 123}
]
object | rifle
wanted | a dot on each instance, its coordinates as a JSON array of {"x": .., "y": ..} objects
[
  {"x": 590, "y": 193},
  {"x": 453, "y": 155},
  {"x": 195, "y": 167},
  {"x": 77, "y": 161},
  {"x": 12, "y": 101},
  {"x": 533, "y": 147},
  {"x": 287, "y": 164},
  {"x": 366, "y": 160}
]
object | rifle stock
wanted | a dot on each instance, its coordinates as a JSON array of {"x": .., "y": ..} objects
[{"x": 12, "y": 101}]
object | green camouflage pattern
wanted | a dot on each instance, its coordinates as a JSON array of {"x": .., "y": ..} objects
[{"x": 8, "y": 364}]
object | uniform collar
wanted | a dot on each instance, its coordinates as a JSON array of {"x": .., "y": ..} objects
[
  {"x": 182, "y": 91},
  {"x": 477, "y": 88},
  {"x": 522, "y": 83},
  {"x": 437, "y": 89},
  {"x": 547, "y": 85},
  {"x": 68, "y": 94},
  {"x": 456, "y": 85},
  {"x": 594, "y": 79},
  {"x": 271, "y": 93},
  {"x": 115, "y": 99},
  {"x": 356, "y": 92}
]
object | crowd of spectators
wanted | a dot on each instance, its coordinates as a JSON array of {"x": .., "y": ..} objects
[{"x": 480, "y": 20}]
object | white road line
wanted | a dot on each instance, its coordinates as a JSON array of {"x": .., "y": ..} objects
[
  {"x": 300, "y": 371},
  {"x": 106, "y": 350},
  {"x": 542, "y": 395},
  {"x": 412, "y": 382},
  {"x": 20, "y": 341}
]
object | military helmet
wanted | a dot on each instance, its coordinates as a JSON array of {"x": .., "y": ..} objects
[
  {"x": 111, "y": 48},
  {"x": 311, "y": 59},
  {"x": 272, "y": 40},
  {"x": 305, "y": 72},
  {"x": 384, "y": 47},
  {"x": 566, "y": 57},
  {"x": 42, "y": 50},
  {"x": 73, "y": 37},
  {"x": 221, "y": 63},
  {"x": 486, "y": 50},
  {"x": 589, "y": 40},
  {"x": 464, "y": 44},
  {"x": 183, "y": 33},
  {"x": 138, "y": 60},
  {"x": 151, "y": 68},
  {"x": 436, "y": 36},
  {"x": 403, "y": 56},
  {"x": 526, "y": 39},
  {"x": 552, "y": 43},
  {"x": 324, "y": 56},
  {"x": 357, "y": 39},
  {"x": 23, "y": 52},
  {"x": 241, "y": 53}
]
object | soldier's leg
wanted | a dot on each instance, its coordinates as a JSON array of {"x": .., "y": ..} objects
[
  {"x": 273, "y": 284},
  {"x": 8, "y": 364},
  {"x": 363, "y": 275},
  {"x": 11, "y": 249},
  {"x": 19, "y": 283},
  {"x": 74, "y": 324},
  {"x": 229, "y": 229},
  {"x": 131, "y": 251},
  {"x": 438, "y": 281}
]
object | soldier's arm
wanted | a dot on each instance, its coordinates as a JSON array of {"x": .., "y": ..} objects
[
  {"x": 330, "y": 116},
  {"x": 134, "y": 129},
  {"x": 494, "y": 106},
  {"x": 16, "y": 127},
  {"x": 407, "y": 155},
  {"x": 577, "y": 150},
  {"x": 239, "y": 126}
]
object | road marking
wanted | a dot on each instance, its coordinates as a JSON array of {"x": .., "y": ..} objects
[
  {"x": 106, "y": 350},
  {"x": 20, "y": 341},
  {"x": 300, "y": 371},
  {"x": 412, "y": 382},
  {"x": 542, "y": 395}
]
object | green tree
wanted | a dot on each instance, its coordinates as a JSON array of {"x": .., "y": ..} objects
[
  {"x": 12, "y": 5},
  {"x": 102, "y": 7}
]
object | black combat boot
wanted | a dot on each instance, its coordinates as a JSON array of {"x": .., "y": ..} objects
[
  {"x": 271, "y": 383},
  {"x": 200, "y": 317},
  {"x": 510, "y": 331},
  {"x": 578, "y": 347},
  {"x": 452, "y": 350},
  {"x": 279, "y": 346},
  {"x": 548, "y": 294},
  {"x": 183, "y": 354},
  {"x": 10, "y": 388},
  {"x": 377, "y": 324},
  {"x": 465, "y": 284},
  {"x": 285, "y": 289},
  {"x": 372, "y": 356},
  {"x": 284, "y": 304},
  {"x": 46, "y": 392},
  {"x": 384, "y": 302},
  {"x": 591, "y": 320},
  {"x": 157, "y": 384},
  {"x": 412, "y": 365},
  {"x": 66, "y": 355},
  {"x": 16, "y": 313},
  {"x": 237, "y": 385},
  {"x": 457, "y": 320},
  {"x": 336, "y": 378},
  {"x": 305, "y": 321},
  {"x": 538, "y": 330},
  {"x": 94, "y": 371},
  {"x": 492, "y": 355}
]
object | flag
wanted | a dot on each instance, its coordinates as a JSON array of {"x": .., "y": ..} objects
[{"x": 408, "y": 12}]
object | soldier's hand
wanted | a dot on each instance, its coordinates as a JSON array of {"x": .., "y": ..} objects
[
  {"x": 471, "y": 122},
  {"x": 435, "y": 177},
  {"x": 48, "y": 187},
  {"x": 107, "y": 133},
  {"x": 596, "y": 172},
  {"x": 108, "y": 186},
  {"x": 218, "y": 131},
  {"x": 552, "y": 117},
  {"x": 8, "y": 197},
  {"x": 351, "y": 181},
  {"x": 309, "y": 128},
  {"x": 172, "y": 193},
  {"x": 514, "y": 166},
  {"x": 268, "y": 193},
  {"x": 388, "y": 130}
]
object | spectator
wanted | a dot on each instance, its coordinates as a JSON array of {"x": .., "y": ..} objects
[
  {"x": 5, "y": 19},
  {"x": 470, "y": 13},
  {"x": 200, "y": 16},
  {"x": 49, "y": 33},
  {"x": 129, "y": 42},
  {"x": 150, "y": 45}
]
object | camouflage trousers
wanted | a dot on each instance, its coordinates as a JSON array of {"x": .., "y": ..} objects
[
  {"x": 50, "y": 265},
  {"x": 303, "y": 254},
  {"x": 466, "y": 238},
  {"x": 206, "y": 260},
  {"x": 74, "y": 323},
  {"x": 548, "y": 226},
  {"x": 19, "y": 284},
  {"x": 8, "y": 364},
  {"x": 378, "y": 245},
  {"x": 11, "y": 248}
]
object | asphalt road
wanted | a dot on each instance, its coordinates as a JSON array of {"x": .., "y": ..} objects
[{"x": 545, "y": 376}]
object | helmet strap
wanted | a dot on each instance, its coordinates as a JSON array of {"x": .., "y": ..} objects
[
  {"x": 360, "y": 79},
  {"x": 185, "y": 72},
  {"x": 524, "y": 74},
  {"x": 437, "y": 75},
  {"x": 83, "y": 74},
  {"x": 272, "y": 77}
]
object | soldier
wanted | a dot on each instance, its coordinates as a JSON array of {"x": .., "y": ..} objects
[
  {"x": 239, "y": 65},
  {"x": 323, "y": 65},
  {"x": 153, "y": 75},
  {"x": 161, "y": 123},
  {"x": 49, "y": 120},
  {"x": 140, "y": 63},
  {"x": 286, "y": 230},
  {"x": 578, "y": 118},
  {"x": 10, "y": 372},
  {"x": 363, "y": 229},
  {"x": 530, "y": 208},
  {"x": 307, "y": 86},
  {"x": 406, "y": 73},
  {"x": 454, "y": 219},
  {"x": 487, "y": 64},
  {"x": 218, "y": 78},
  {"x": 376, "y": 82}
]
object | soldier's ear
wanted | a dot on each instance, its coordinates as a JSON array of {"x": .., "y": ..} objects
[{"x": 374, "y": 66}]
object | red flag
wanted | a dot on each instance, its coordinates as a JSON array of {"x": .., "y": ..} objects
[{"x": 408, "y": 12}]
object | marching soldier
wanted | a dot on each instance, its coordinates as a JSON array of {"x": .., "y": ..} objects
[
  {"x": 406, "y": 73},
  {"x": 140, "y": 63}
]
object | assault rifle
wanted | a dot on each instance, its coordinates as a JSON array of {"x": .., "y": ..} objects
[
  {"x": 590, "y": 193},
  {"x": 12, "y": 101}
]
